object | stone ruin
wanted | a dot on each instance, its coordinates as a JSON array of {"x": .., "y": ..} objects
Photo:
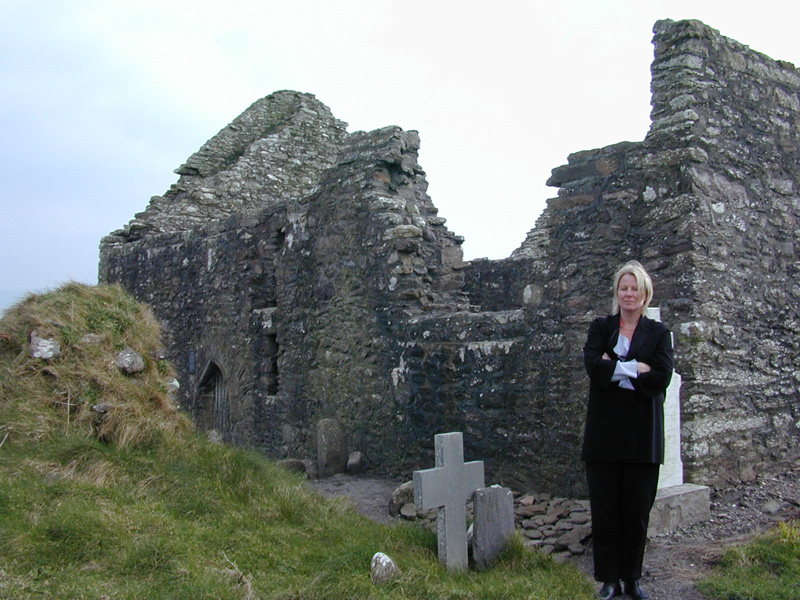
[{"x": 302, "y": 272}]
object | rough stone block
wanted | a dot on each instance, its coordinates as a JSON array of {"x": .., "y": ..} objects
[
  {"x": 293, "y": 464},
  {"x": 493, "y": 526},
  {"x": 332, "y": 454},
  {"x": 47, "y": 349},
  {"x": 402, "y": 495},
  {"x": 355, "y": 463},
  {"x": 383, "y": 568},
  {"x": 130, "y": 362},
  {"x": 679, "y": 505}
]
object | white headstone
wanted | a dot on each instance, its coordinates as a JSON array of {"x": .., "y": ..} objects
[
  {"x": 671, "y": 472},
  {"x": 447, "y": 487}
]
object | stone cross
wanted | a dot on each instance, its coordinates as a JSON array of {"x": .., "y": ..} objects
[{"x": 447, "y": 487}]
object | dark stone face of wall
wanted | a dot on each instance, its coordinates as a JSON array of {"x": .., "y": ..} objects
[{"x": 302, "y": 272}]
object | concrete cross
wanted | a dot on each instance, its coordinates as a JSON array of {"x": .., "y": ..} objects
[{"x": 447, "y": 487}]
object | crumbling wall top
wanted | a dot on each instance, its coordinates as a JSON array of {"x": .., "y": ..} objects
[{"x": 276, "y": 151}]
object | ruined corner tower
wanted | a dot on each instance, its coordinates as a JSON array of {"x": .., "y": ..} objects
[{"x": 302, "y": 272}]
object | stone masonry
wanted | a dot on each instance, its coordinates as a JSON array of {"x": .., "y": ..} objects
[{"x": 302, "y": 272}]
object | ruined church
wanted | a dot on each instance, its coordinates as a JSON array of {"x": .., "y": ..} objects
[{"x": 302, "y": 272}]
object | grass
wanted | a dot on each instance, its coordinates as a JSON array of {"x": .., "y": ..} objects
[
  {"x": 196, "y": 520},
  {"x": 136, "y": 505},
  {"x": 767, "y": 568},
  {"x": 92, "y": 325}
]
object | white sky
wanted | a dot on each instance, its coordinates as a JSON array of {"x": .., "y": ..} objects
[{"x": 101, "y": 100}]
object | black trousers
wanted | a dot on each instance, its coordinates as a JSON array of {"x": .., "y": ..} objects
[{"x": 621, "y": 496}]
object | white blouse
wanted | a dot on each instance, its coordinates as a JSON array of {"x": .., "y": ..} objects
[{"x": 624, "y": 370}]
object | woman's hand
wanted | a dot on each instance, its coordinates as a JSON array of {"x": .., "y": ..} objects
[
  {"x": 642, "y": 367},
  {"x": 606, "y": 356}
]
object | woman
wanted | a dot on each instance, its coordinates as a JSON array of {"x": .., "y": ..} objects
[{"x": 629, "y": 361}]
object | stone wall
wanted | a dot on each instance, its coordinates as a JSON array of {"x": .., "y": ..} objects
[
  {"x": 735, "y": 113},
  {"x": 302, "y": 272},
  {"x": 708, "y": 202},
  {"x": 291, "y": 302}
]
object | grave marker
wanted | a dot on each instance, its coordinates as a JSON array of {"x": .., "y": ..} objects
[
  {"x": 677, "y": 503},
  {"x": 493, "y": 526},
  {"x": 447, "y": 487}
]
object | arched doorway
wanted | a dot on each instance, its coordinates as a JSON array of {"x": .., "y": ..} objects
[{"x": 213, "y": 406}]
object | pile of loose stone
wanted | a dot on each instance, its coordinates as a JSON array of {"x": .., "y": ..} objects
[{"x": 555, "y": 525}]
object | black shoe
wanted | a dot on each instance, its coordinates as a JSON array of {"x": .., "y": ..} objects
[
  {"x": 610, "y": 590},
  {"x": 635, "y": 590}
]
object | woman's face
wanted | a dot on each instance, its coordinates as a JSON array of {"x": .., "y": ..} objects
[{"x": 630, "y": 298}]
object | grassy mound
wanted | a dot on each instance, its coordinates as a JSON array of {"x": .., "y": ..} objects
[
  {"x": 41, "y": 398},
  {"x": 134, "y": 504}
]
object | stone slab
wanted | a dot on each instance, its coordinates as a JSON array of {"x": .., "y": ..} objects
[
  {"x": 679, "y": 505},
  {"x": 332, "y": 454},
  {"x": 493, "y": 524}
]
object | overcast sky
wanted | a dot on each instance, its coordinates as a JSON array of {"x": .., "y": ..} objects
[{"x": 101, "y": 100}]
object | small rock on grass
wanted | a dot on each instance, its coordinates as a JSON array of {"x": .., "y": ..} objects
[{"x": 383, "y": 569}]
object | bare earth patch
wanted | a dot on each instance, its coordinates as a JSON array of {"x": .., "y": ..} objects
[{"x": 674, "y": 561}]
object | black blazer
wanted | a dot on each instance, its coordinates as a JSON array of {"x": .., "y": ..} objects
[{"x": 626, "y": 425}]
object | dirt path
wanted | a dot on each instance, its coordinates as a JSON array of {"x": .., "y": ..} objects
[
  {"x": 674, "y": 562},
  {"x": 369, "y": 495}
]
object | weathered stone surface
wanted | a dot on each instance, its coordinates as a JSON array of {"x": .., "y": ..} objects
[
  {"x": 403, "y": 494},
  {"x": 311, "y": 468},
  {"x": 355, "y": 463},
  {"x": 302, "y": 272},
  {"x": 383, "y": 569},
  {"x": 771, "y": 507},
  {"x": 493, "y": 524},
  {"x": 129, "y": 362},
  {"x": 679, "y": 505},
  {"x": 46, "y": 349},
  {"x": 332, "y": 454}
]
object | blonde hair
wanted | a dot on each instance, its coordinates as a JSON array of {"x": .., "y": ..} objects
[{"x": 643, "y": 282}]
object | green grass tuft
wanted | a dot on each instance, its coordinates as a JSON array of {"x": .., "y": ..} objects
[{"x": 767, "y": 568}]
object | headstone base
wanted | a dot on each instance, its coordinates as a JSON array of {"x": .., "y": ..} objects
[{"x": 679, "y": 505}]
